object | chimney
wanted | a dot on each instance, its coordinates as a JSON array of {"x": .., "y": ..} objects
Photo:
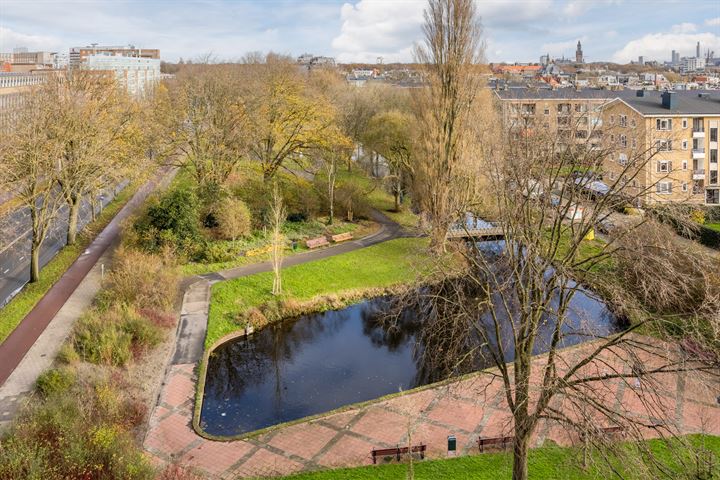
[{"x": 669, "y": 100}]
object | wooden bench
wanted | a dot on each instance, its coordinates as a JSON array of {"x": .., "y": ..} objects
[
  {"x": 397, "y": 452},
  {"x": 613, "y": 430},
  {"x": 316, "y": 242},
  {"x": 341, "y": 237},
  {"x": 503, "y": 442}
]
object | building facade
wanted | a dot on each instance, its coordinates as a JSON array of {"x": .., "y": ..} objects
[
  {"x": 138, "y": 75},
  {"x": 79, "y": 55},
  {"x": 674, "y": 137}
]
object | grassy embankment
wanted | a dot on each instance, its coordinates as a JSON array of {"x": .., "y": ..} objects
[
  {"x": 13, "y": 313},
  {"x": 713, "y": 226},
  {"x": 381, "y": 266},
  {"x": 678, "y": 458}
]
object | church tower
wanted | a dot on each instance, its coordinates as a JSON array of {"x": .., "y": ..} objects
[{"x": 579, "y": 53}]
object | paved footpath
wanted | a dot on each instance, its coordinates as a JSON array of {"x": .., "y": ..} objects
[
  {"x": 32, "y": 347},
  {"x": 467, "y": 408}
]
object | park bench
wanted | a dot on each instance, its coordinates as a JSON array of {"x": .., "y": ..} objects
[
  {"x": 502, "y": 442},
  {"x": 316, "y": 242},
  {"x": 613, "y": 430},
  {"x": 397, "y": 452},
  {"x": 341, "y": 237}
]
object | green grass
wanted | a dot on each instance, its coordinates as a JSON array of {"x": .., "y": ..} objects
[
  {"x": 13, "y": 313},
  {"x": 713, "y": 226},
  {"x": 548, "y": 463},
  {"x": 380, "y": 266}
]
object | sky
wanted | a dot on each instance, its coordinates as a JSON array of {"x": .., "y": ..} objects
[{"x": 362, "y": 30}]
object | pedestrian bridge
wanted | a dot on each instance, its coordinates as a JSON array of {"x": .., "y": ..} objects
[{"x": 474, "y": 227}]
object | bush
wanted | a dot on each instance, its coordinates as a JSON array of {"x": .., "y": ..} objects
[
  {"x": 56, "y": 381},
  {"x": 172, "y": 220},
  {"x": 78, "y": 433},
  {"x": 98, "y": 339},
  {"x": 142, "y": 280},
  {"x": 233, "y": 218},
  {"x": 67, "y": 354},
  {"x": 143, "y": 334}
]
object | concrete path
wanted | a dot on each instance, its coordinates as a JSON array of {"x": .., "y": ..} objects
[
  {"x": 32, "y": 347},
  {"x": 468, "y": 408}
]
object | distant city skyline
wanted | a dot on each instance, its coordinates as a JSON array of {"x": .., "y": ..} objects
[{"x": 362, "y": 30}]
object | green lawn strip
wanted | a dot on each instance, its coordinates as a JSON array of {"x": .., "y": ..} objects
[
  {"x": 713, "y": 226},
  {"x": 380, "y": 266},
  {"x": 546, "y": 463},
  {"x": 293, "y": 231},
  {"x": 13, "y": 313}
]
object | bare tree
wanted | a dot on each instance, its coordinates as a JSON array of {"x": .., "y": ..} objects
[
  {"x": 445, "y": 173},
  {"x": 277, "y": 219},
  {"x": 509, "y": 303},
  {"x": 29, "y": 152}
]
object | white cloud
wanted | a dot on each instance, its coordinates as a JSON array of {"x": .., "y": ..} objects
[
  {"x": 659, "y": 45},
  {"x": 10, "y": 39},
  {"x": 576, "y": 8},
  {"x": 685, "y": 27},
  {"x": 555, "y": 49},
  {"x": 713, "y": 22}
]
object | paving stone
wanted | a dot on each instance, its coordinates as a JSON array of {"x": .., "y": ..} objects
[
  {"x": 215, "y": 457},
  {"x": 382, "y": 425},
  {"x": 348, "y": 451},
  {"x": 458, "y": 413},
  {"x": 304, "y": 440},
  {"x": 266, "y": 463},
  {"x": 172, "y": 435},
  {"x": 178, "y": 390}
]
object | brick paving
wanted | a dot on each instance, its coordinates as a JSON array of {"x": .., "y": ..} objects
[{"x": 468, "y": 408}]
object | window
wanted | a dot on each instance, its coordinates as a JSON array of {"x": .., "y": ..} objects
[
  {"x": 623, "y": 120},
  {"x": 664, "y": 166},
  {"x": 611, "y": 175},
  {"x": 547, "y": 111},
  {"x": 664, "y": 145},
  {"x": 684, "y": 144},
  {"x": 622, "y": 159},
  {"x": 634, "y": 183},
  {"x": 612, "y": 119},
  {"x": 684, "y": 123},
  {"x": 713, "y": 177},
  {"x": 713, "y": 156},
  {"x": 528, "y": 109},
  {"x": 698, "y": 125},
  {"x": 564, "y": 121},
  {"x": 713, "y": 134},
  {"x": 664, "y": 188},
  {"x": 563, "y": 108},
  {"x": 581, "y": 134},
  {"x": 684, "y": 187},
  {"x": 633, "y": 124},
  {"x": 634, "y": 143},
  {"x": 663, "y": 124},
  {"x": 623, "y": 141},
  {"x": 581, "y": 108},
  {"x": 684, "y": 164},
  {"x": 612, "y": 138}
]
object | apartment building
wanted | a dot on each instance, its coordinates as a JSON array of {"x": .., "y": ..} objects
[
  {"x": 567, "y": 112},
  {"x": 14, "y": 88},
  {"x": 79, "y": 55},
  {"x": 137, "y": 75},
  {"x": 674, "y": 137}
]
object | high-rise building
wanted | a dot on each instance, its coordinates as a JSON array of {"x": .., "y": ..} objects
[
  {"x": 79, "y": 54},
  {"x": 136, "y": 74},
  {"x": 579, "y": 53},
  {"x": 641, "y": 60},
  {"x": 697, "y": 50}
]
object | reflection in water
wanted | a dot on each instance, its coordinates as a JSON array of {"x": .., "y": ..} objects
[{"x": 319, "y": 362}]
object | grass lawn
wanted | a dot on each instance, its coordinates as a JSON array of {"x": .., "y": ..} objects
[
  {"x": 13, "y": 313},
  {"x": 713, "y": 226},
  {"x": 548, "y": 463},
  {"x": 384, "y": 265}
]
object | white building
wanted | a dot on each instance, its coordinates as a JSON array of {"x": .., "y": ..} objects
[
  {"x": 692, "y": 64},
  {"x": 136, "y": 74}
]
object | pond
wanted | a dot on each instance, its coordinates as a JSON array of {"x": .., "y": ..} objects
[{"x": 316, "y": 363}]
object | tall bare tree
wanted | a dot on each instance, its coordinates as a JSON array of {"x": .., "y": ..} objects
[
  {"x": 509, "y": 304},
  {"x": 98, "y": 126},
  {"x": 445, "y": 160},
  {"x": 29, "y": 154}
]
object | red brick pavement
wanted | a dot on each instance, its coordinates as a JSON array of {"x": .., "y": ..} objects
[{"x": 468, "y": 408}]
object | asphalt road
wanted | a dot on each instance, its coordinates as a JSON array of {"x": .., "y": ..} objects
[{"x": 15, "y": 243}]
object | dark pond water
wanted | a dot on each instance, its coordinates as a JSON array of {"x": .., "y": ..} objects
[{"x": 320, "y": 362}]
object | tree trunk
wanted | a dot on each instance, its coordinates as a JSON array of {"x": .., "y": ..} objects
[
  {"x": 34, "y": 263},
  {"x": 396, "y": 192},
  {"x": 331, "y": 194},
  {"x": 74, "y": 205},
  {"x": 520, "y": 455}
]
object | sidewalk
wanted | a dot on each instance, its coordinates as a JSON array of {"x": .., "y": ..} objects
[{"x": 33, "y": 345}]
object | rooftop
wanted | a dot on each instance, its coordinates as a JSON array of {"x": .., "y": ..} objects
[{"x": 692, "y": 102}]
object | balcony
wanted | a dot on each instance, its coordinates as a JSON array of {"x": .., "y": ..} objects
[
  {"x": 699, "y": 174},
  {"x": 698, "y": 153},
  {"x": 698, "y": 133}
]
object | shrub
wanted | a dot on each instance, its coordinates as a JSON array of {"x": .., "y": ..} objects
[
  {"x": 56, "y": 381},
  {"x": 143, "y": 334},
  {"x": 67, "y": 354},
  {"x": 172, "y": 220},
  {"x": 78, "y": 433},
  {"x": 214, "y": 252},
  {"x": 142, "y": 280},
  {"x": 697, "y": 216},
  {"x": 233, "y": 218},
  {"x": 97, "y": 339}
]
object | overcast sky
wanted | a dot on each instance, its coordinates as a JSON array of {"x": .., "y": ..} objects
[{"x": 362, "y": 30}]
